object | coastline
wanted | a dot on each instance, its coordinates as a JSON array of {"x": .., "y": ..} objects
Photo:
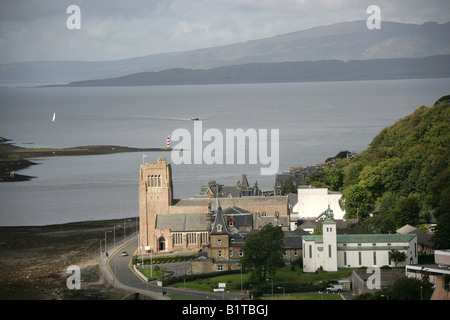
[
  {"x": 35, "y": 260},
  {"x": 14, "y": 158}
]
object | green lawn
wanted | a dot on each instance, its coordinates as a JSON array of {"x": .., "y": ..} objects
[
  {"x": 152, "y": 274},
  {"x": 285, "y": 274}
]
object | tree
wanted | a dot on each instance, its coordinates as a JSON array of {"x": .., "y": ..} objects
[
  {"x": 290, "y": 188},
  {"x": 397, "y": 256},
  {"x": 405, "y": 288},
  {"x": 441, "y": 236},
  {"x": 357, "y": 202},
  {"x": 263, "y": 253},
  {"x": 407, "y": 211}
]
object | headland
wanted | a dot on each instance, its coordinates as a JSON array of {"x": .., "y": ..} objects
[{"x": 14, "y": 158}]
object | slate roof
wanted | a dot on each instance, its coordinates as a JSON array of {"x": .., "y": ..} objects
[
  {"x": 181, "y": 222},
  {"x": 219, "y": 225},
  {"x": 283, "y": 220},
  {"x": 228, "y": 202},
  {"x": 293, "y": 239},
  {"x": 422, "y": 237}
]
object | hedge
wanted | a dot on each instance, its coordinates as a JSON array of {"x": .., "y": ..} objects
[
  {"x": 193, "y": 277},
  {"x": 164, "y": 259}
]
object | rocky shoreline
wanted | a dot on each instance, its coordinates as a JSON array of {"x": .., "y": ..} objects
[
  {"x": 14, "y": 158},
  {"x": 35, "y": 260}
]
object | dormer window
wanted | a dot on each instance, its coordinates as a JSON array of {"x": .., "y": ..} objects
[
  {"x": 231, "y": 223},
  {"x": 219, "y": 228}
]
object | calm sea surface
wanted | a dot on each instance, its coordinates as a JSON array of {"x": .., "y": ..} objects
[{"x": 315, "y": 121}]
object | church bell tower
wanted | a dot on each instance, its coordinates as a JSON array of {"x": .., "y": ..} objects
[{"x": 155, "y": 197}]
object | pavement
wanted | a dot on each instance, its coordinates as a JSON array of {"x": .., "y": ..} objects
[{"x": 119, "y": 271}]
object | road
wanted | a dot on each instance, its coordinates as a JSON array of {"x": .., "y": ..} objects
[{"x": 122, "y": 271}]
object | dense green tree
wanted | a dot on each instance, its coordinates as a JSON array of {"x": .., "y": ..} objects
[
  {"x": 404, "y": 173},
  {"x": 383, "y": 223},
  {"x": 397, "y": 256},
  {"x": 406, "y": 211},
  {"x": 405, "y": 288},
  {"x": 357, "y": 202},
  {"x": 263, "y": 253},
  {"x": 441, "y": 237},
  {"x": 290, "y": 188}
]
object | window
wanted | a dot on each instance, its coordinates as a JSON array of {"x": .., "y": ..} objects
[
  {"x": 192, "y": 237},
  {"x": 231, "y": 223},
  {"x": 310, "y": 251},
  {"x": 295, "y": 253},
  {"x": 178, "y": 238},
  {"x": 219, "y": 253},
  {"x": 203, "y": 238},
  {"x": 359, "y": 258},
  {"x": 219, "y": 242},
  {"x": 374, "y": 257},
  {"x": 219, "y": 228},
  {"x": 241, "y": 253},
  {"x": 219, "y": 268},
  {"x": 230, "y": 253},
  {"x": 329, "y": 251},
  {"x": 345, "y": 258}
]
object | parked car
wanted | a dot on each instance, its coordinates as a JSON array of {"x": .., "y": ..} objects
[
  {"x": 335, "y": 288},
  {"x": 124, "y": 254}
]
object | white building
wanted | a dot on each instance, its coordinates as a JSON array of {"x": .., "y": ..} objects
[
  {"x": 332, "y": 251},
  {"x": 312, "y": 200}
]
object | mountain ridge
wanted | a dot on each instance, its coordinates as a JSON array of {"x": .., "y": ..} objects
[
  {"x": 300, "y": 71},
  {"x": 340, "y": 41}
]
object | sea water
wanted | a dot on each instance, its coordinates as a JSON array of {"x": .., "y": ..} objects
[{"x": 315, "y": 121}]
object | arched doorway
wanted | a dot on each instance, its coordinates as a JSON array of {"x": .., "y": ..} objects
[{"x": 161, "y": 244}]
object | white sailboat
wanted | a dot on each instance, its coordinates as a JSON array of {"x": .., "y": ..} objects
[{"x": 54, "y": 117}]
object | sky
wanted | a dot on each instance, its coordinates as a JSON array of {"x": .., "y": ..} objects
[{"x": 35, "y": 30}]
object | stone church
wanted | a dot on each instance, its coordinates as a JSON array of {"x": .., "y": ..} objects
[{"x": 169, "y": 225}]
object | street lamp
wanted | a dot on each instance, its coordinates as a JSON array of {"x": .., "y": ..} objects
[
  {"x": 124, "y": 230},
  {"x": 105, "y": 238},
  {"x": 240, "y": 267},
  {"x": 271, "y": 280},
  {"x": 284, "y": 291}
]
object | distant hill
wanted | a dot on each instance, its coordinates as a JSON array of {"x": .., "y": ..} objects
[
  {"x": 303, "y": 71},
  {"x": 341, "y": 41}
]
